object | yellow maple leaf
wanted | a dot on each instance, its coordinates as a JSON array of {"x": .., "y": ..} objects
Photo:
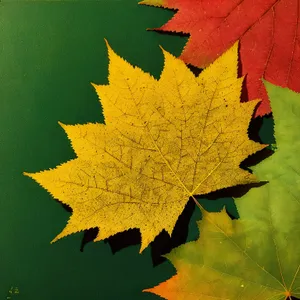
[{"x": 163, "y": 141}]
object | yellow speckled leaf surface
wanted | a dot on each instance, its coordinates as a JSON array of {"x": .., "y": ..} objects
[{"x": 162, "y": 142}]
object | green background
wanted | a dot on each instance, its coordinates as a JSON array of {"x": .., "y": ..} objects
[{"x": 50, "y": 52}]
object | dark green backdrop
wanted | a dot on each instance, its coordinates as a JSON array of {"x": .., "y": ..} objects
[{"x": 50, "y": 52}]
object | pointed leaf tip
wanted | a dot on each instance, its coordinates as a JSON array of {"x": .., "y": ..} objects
[
  {"x": 30, "y": 175},
  {"x": 106, "y": 42},
  {"x": 143, "y": 247},
  {"x": 58, "y": 237},
  {"x": 109, "y": 49},
  {"x": 62, "y": 124},
  {"x": 236, "y": 44},
  {"x": 162, "y": 48},
  {"x": 94, "y": 85},
  {"x": 167, "y": 53}
]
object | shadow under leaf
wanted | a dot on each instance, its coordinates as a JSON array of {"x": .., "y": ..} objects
[{"x": 163, "y": 243}]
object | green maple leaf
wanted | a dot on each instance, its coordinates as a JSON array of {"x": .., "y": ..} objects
[{"x": 257, "y": 256}]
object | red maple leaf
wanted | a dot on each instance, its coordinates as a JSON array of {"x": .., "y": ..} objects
[{"x": 268, "y": 31}]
